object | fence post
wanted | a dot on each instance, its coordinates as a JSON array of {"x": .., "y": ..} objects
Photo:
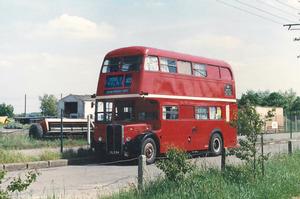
[
  {"x": 141, "y": 170},
  {"x": 89, "y": 130},
  {"x": 61, "y": 131},
  {"x": 223, "y": 159},
  {"x": 290, "y": 147},
  {"x": 262, "y": 153},
  {"x": 296, "y": 123}
]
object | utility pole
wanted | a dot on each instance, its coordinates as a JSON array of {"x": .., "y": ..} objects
[
  {"x": 25, "y": 106},
  {"x": 291, "y": 27}
]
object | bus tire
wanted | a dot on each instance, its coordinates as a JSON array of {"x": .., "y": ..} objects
[
  {"x": 216, "y": 144},
  {"x": 36, "y": 131},
  {"x": 149, "y": 149}
]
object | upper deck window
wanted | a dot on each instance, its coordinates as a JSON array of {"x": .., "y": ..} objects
[
  {"x": 123, "y": 64},
  {"x": 168, "y": 65},
  {"x": 225, "y": 74},
  {"x": 184, "y": 67},
  {"x": 111, "y": 65},
  {"x": 131, "y": 63},
  {"x": 199, "y": 70},
  {"x": 151, "y": 63}
]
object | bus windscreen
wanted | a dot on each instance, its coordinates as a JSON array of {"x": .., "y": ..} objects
[{"x": 122, "y": 64}]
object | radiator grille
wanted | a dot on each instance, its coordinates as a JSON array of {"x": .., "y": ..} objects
[{"x": 114, "y": 139}]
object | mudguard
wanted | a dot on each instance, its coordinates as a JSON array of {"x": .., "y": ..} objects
[{"x": 134, "y": 146}]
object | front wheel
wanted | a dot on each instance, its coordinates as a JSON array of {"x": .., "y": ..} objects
[
  {"x": 216, "y": 144},
  {"x": 149, "y": 149}
]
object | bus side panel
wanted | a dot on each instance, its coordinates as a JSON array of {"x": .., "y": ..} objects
[{"x": 230, "y": 133}]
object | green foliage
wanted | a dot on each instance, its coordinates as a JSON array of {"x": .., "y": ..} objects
[
  {"x": 287, "y": 99},
  {"x": 48, "y": 105},
  {"x": 17, "y": 184},
  {"x": 14, "y": 125},
  {"x": 175, "y": 166},
  {"x": 6, "y": 110},
  {"x": 250, "y": 124},
  {"x": 282, "y": 180}
]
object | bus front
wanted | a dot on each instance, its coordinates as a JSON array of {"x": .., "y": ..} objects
[{"x": 125, "y": 122}]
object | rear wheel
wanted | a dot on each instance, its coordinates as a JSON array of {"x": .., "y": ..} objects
[
  {"x": 216, "y": 144},
  {"x": 36, "y": 131},
  {"x": 149, "y": 149}
]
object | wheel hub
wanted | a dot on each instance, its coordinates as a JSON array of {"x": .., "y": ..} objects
[
  {"x": 216, "y": 145},
  {"x": 149, "y": 151}
]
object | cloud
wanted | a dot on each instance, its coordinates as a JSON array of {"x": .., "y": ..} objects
[{"x": 75, "y": 27}]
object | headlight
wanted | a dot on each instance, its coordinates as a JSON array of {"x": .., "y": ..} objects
[{"x": 128, "y": 139}]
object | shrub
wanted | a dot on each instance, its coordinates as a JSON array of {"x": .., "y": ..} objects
[
  {"x": 17, "y": 184},
  {"x": 175, "y": 166}
]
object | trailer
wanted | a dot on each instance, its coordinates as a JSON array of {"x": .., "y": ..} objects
[{"x": 51, "y": 127}]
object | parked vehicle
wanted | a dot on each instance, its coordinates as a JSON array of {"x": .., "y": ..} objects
[{"x": 149, "y": 100}]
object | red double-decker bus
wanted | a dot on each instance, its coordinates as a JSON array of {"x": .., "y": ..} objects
[{"x": 149, "y": 100}]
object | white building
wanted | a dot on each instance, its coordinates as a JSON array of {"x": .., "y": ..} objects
[{"x": 76, "y": 106}]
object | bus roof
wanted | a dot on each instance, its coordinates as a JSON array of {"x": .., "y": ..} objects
[{"x": 142, "y": 50}]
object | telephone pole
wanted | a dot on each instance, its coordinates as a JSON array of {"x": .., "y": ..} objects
[
  {"x": 25, "y": 106},
  {"x": 293, "y": 26}
]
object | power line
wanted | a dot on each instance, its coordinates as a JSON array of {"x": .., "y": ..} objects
[
  {"x": 287, "y": 5},
  {"x": 261, "y": 10},
  {"x": 249, "y": 12},
  {"x": 281, "y": 10}
]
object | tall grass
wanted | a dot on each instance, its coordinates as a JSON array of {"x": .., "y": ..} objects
[
  {"x": 282, "y": 180},
  {"x": 7, "y": 156},
  {"x": 21, "y": 141}
]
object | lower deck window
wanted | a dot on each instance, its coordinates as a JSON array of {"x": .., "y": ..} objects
[
  {"x": 205, "y": 113},
  {"x": 215, "y": 113},
  {"x": 170, "y": 112},
  {"x": 201, "y": 113}
]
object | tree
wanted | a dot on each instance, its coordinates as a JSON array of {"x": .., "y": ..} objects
[
  {"x": 254, "y": 98},
  {"x": 48, "y": 105},
  {"x": 276, "y": 99},
  {"x": 6, "y": 110},
  {"x": 250, "y": 124},
  {"x": 296, "y": 105}
]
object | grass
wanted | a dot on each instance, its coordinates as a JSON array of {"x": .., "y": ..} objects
[
  {"x": 282, "y": 180},
  {"x": 22, "y": 141},
  {"x": 7, "y": 156}
]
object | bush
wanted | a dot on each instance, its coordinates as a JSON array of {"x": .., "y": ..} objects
[
  {"x": 6, "y": 110},
  {"x": 175, "y": 166},
  {"x": 17, "y": 184},
  {"x": 14, "y": 125}
]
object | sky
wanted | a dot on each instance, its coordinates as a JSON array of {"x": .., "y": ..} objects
[{"x": 57, "y": 46}]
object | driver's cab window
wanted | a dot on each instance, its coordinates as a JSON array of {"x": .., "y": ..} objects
[
  {"x": 124, "y": 111},
  {"x": 104, "y": 111}
]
